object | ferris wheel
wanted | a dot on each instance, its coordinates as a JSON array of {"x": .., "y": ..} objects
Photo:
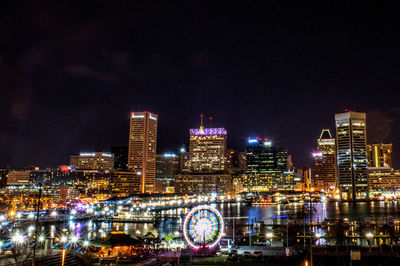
[{"x": 203, "y": 227}]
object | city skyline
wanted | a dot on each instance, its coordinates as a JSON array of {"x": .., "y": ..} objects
[
  {"x": 258, "y": 70},
  {"x": 309, "y": 159}
]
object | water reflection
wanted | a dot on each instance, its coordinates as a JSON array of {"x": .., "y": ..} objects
[{"x": 245, "y": 215}]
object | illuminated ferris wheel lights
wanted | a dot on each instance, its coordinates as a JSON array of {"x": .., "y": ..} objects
[{"x": 203, "y": 227}]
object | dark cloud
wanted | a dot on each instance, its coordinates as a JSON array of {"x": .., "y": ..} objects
[
  {"x": 70, "y": 73},
  {"x": 378, "y": 127},
  {"x": 85, "y": 71}
]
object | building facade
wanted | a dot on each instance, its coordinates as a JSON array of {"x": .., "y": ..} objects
[
  {"x": 18, "y": 178},
  {"x": 167, "y": 166},
  {"x": 383, "y": 180},
  {"x": 205, "y": 169},
  {"x": 203, "y": 183},
  {"x": 207, "y": 150},
  {"x": 302, "y": 178},
  {"x": 100, "y": 161},
  {"x": 351, "y": 150},
  {"x": 379, "y": 155},
  {"x": 120, "y": 157},
  {"x": 125, "y": 183},
  {"x": 266, "y": 167},
  {"x": 142, "y": 148},
  {"x": 324, "y": 162}
]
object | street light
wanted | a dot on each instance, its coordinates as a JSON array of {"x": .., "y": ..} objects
[
  {"x": 85, "y": 243},
  {"x": 74, "y": 239},
  {"x": 63, "y": 239},
  {"x": 18, "y": 238},
  {"x": 41, "y": 238},
  {"x": 369, "y": 235}
]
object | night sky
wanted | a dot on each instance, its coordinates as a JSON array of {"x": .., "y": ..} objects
[{"x": 70, "y": 74}]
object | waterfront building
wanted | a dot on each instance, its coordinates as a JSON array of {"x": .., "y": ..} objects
[
  {"x": 100, "y": 161},
  {"x": 266, "y": 167},
  {"x": 324, "y": 162},
  {"x": 125, "y": 183},
  {"x": 303, "y": 178},
  {"x": 69, "y": 193},
  {"x": 183, "y": 158},
  {"x": 142, "y": 148},
  {"x": 235, "y": 163},
  {"x": 18, "y": 178},
  {"x": 203, "y": 183},
  {"x": 120, "y": 157},
  {"x": 352, "y": 172},
  {"x": 27, "y": 196},
  {"x": 379, "y": 155},
  {"x": 167, "y": 165},
  {"x": 206, "y": 163},
  {"x": 207, "y": 150},
  {"x": 383, "y": 180}
]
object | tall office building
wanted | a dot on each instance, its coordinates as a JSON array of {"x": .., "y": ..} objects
[
  {"x": 167, "y": 166},
  {"x": 142, "y": 148},
  {"x": 266, "y": 167},
  {"x": 120, "y": 157},
  {"x": 351, "y": 150},
  {"x": 207, "y": 150},
  {"x": 205, "y": 169},
  {"x": 379, "y": 155},
  {"x": 324, "y": 162}
]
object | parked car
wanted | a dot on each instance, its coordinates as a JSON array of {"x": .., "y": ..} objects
[
  {"x": 232, "y": 256},
  {"x": 258, "y": 254},
  {"x": 246, "y": 254}
]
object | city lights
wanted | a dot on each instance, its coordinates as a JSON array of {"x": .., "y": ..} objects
[
  {"x": 74, "y": 239},
  {"x": 270, "y": 235},
  {"x": 41, "y": 238},
  {"x": 18, "y": 238},
  {"x": 199, "y": 133}
]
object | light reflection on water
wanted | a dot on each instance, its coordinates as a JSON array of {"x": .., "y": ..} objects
[{"x": 269, "y": 214}]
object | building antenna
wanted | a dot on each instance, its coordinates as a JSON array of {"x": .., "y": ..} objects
[
  {"x": 211, "y": 119},
  {"x": 201, "y": 122}
]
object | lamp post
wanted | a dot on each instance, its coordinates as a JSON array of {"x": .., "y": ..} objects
[
  {"x": 36, "y": 224},
  {"x": 311, "y": 236},
  {"x": 369, "y": 236}
]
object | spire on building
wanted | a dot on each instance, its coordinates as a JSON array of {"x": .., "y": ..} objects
[
  {"x": 325, "y": 134},
  {"x": 201, "y": 122}
]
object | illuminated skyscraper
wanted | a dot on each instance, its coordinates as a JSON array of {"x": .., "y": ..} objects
[
  {"x": 351, "y": 137},
  {"x": 379, "y": 155},
  {"x": 167, "y": 165},
  {"x": 266, "y": 167},
  {"x": 205, "y": 170},
  {"x": 207, "y": 150},
  {"x": 324, "y": 162},
  {"x": 142, "y": 148}
]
